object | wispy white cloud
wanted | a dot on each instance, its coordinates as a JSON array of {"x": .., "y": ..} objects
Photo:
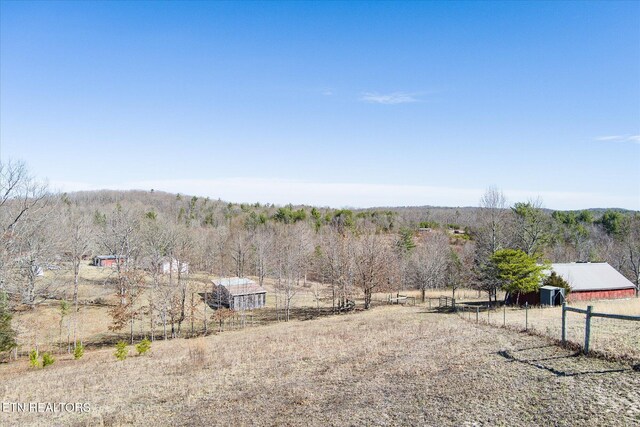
[
  {"x": 620, "y": 138},
  {"x": 280, "y": 191},
  {"x": 389, "y": 99}
]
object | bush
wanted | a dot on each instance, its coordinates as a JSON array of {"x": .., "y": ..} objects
[
  {"x": 121, "y": 351},
  {"x": 47, "y": 359},
  {"x": 555, "y": 280},
  {"x": 33, "y": 359},
  {"x": 143, "y": 347},
  {"x": 78, "y": 352}
]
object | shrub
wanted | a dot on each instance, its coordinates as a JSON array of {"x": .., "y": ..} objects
[
  {"x": 143, "y": 347},
  {"x": 121, "y": 350},
  {"x": 78, "y": 352},
  {"x": 47, "y": 359},
  {"x": 33, "y": 359},
  {"x": 197, "y": 354},
  {"x": 555, "y": 280}
]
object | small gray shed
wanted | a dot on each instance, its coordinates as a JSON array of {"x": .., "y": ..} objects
[
  {"x": 237, "y": 293},
  {"x": 551, "y": 295}
]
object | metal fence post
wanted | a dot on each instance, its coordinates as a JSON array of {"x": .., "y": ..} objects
[
  {"x": 488, "y": 313},
  {"x": 587, "y": 329},
  {"x": 526, "y": 316},
  {"x": 564, "y": 323},
  {"x": 477, "y": 314}
]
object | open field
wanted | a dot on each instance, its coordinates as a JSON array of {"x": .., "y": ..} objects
[
  {"x": 387, "y": 366},
  {"x": 42, "y": 326}
]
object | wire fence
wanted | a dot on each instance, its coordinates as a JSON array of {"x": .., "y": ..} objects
[{"x": 612, "y": 333}]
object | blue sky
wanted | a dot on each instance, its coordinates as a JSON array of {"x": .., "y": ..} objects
[{"x": 341, "y": 104}]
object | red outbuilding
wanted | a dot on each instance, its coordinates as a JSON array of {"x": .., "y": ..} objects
[
  {"x": 594, "y": 280},
  {"x": 107, "y": 260}
]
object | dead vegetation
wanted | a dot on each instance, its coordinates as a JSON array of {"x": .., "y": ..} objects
[
  {"x": 387, "y": 366},
  {"x": 614, "y": 338}
]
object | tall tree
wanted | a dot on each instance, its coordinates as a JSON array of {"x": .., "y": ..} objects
[
  {"x": 518, "y": 272},
  {"x": 371, "y": 254},
  {"x": 336, "y": 263},
  {"x": 120, "y": 237},
  {"x": 531, "y": 227},
  {"x": 7, "y": 334},
  {"x": 157, "y": 243},
  {"x": 428, "y": 265},
  {"x": 77, "y": 245},
  {"x": 491, "y": 236},
  {"x": 630, "y": 237},
  {"x": 293, "y": 249}
]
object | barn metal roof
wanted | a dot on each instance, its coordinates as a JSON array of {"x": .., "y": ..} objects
[
  {"x": 240, "y": 285},
  {"x": 588, "y": 276}
]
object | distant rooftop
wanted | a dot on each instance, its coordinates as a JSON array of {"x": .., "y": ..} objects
[{"x": 109, "y": 256}]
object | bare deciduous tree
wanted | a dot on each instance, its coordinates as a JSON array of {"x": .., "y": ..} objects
[
  {"x": 77, "y": 244},
  {"x": 428, "y": 265},
  {"x": 491, "y": 235},
  {"x": 371, "y": 254}
]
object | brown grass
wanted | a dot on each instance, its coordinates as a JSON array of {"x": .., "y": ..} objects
[
  {"x": 388, "y": 366},
  {"x": 40, "y": 328},
  {"x": 613, "y": 337}
]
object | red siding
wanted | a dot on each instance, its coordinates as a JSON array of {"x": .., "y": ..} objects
[{"x": 613, "y": 294}]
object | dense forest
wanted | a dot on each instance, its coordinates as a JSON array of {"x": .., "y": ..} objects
[{"x": 348, "y": 251}]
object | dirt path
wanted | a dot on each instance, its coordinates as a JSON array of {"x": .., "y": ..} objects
[{"x": 390, "y": 366}]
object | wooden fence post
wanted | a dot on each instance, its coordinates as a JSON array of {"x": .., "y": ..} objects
[
  {"x": 587, "y": 329},
  {"x": 526, "y": 316},
  {"x": 192, "y": 314},
  {"x": 564, "y": 323},
  {"x": 205, "y": 312},
  {"x": 504, "y": 315}
]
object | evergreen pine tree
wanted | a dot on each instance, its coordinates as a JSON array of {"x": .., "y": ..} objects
[{"x": 7, "y": 334}]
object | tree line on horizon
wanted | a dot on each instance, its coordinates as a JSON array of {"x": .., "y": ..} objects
[{"x": 344, "y": 252}]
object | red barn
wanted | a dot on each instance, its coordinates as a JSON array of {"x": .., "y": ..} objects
[
  {"x": 589, "y": 280},
  {"x": 107, "y": 260}
]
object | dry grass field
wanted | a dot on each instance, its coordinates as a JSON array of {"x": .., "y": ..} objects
[
  {"x": 387, "y": 366},
  {"x": 610, "y": 336},
  {"x": 41, "y": 327}
]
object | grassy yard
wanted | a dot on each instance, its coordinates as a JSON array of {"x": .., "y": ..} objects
[{"x": 386, "y": 366}]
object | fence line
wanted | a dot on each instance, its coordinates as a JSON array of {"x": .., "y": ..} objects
[{"x": 589, "y": 314}]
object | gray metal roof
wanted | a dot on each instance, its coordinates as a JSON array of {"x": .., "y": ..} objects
[
  {"x": 233, "y": 281},
  {"x": 590, "y": 276},
  {"x": 240, "y": 286}
]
